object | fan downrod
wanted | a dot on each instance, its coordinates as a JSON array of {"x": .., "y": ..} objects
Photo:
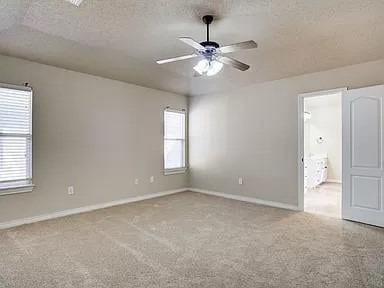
[{"x": 208, "y": 19}]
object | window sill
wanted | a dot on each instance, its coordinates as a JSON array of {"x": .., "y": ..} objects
[
  {"x": 16, "y": 189},
  {"x": 174, "y": 171}
]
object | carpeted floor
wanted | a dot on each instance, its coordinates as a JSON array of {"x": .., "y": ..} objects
[{"x": 192, "y": 240}]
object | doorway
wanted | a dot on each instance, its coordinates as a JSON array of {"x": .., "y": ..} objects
[{"x": 320, "y": 148}]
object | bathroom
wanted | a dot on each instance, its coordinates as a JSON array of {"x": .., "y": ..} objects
[{"x": 323, "y": 154}]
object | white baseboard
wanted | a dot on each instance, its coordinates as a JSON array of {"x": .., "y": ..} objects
[
  {"x": 18, "y": 222},
  {"x": 247, "y": 199},
  {"x": 28, "y": 220},
  {"x": 333, "y": 181}
]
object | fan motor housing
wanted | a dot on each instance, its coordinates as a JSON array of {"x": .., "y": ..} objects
[
  {"x": 210, "y": 44},
  {"x": 207, "y": 19}
]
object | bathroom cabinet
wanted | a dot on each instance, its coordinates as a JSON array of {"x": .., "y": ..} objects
[{"x": 315, "y": 171}]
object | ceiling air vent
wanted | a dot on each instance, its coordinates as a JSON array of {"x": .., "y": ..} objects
[{"x": 75, "y": 2}]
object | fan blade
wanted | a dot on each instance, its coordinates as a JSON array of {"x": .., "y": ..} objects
[
  {"x": 192, "y": 43},
  {"x": 238, "y": 46},
  {"x": 233, "y": 62},
  {"x": 185, "y": 57}
]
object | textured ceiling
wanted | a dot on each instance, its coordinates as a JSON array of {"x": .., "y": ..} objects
[{"x": 121, "y": 39}]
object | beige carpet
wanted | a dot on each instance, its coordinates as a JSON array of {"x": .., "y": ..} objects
[{"x": 192, "y": 240}]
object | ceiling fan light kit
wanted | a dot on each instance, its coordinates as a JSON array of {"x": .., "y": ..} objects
[
  {"x": 209, "y": 68},
  {"x": 211, "y": 54}
]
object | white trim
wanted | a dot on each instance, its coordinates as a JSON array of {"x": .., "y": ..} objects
[
  {"x": 338, "y": 181},
  {"x": 323, "y": 92},
  {"x": 176, "y": 110},
  {"x": 15, "y": 87},
  {"x": 16, "y": 189},
  {"x": 300, "y": 137},
  {"x": 58, "y": 214},
  {"x": 247, "y": 199},
  {"x": 18, "y": 222},
  {"x": 175, "y": 171}
]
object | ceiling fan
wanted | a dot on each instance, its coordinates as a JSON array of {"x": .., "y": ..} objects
[{"x": 212, "y": 54}]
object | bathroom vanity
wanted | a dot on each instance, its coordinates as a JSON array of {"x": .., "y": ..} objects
[{"x": 315, "y": 170}]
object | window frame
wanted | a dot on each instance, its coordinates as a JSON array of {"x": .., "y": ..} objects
[
  {"x": 23, "y": 185},
  {"x": 178, "y": 170}
]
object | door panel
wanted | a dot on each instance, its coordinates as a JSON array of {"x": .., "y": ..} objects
[
  {"x": 366, "y": 192},
  {"x": 363, "y": 155},
  {"x": 365, "y": 132}
]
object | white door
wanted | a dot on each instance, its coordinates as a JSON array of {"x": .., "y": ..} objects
[{"x": 363, "y": 198}]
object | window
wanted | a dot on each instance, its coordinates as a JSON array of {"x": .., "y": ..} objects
[
  {"x": 15, "y": 139},
  {"x": 174, "y": 141}
]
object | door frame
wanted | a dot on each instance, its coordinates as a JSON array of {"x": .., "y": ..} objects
[{"x": 300, "y": 140}]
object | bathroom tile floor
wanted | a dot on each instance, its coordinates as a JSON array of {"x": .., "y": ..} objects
[{"x": 324, "y": 200}]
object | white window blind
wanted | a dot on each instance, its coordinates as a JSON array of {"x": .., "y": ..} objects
[
  {"x": 174, "y": 140},
  {"x": 15, "y": 138}
]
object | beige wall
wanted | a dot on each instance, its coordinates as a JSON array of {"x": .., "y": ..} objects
[
  {"x": 90, "y": 132},
  {"x": 326, "y": 123},
  {"x": 99, "y": 134},
  {"x": 252, "y": 132}
]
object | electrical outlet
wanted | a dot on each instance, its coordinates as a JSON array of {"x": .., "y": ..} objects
[
  {"x": 71, "y": 190},
  {"x": 151, "y": 179},
  {"x": 136, "y": 181},
  {"x": 241, "y": 180}
]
